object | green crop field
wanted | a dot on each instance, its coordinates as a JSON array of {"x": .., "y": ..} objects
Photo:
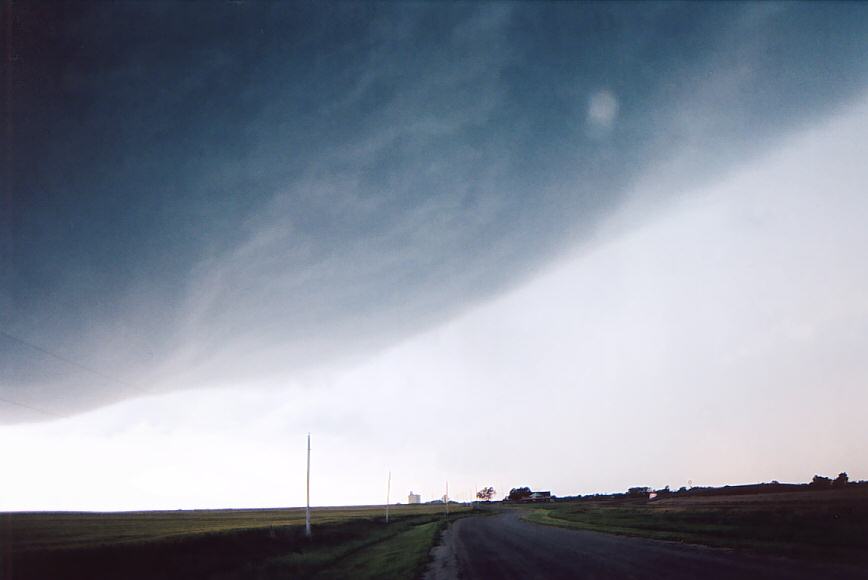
[
  {"x": 267, "y": 543},
  {"x": 816, "y": 524}
]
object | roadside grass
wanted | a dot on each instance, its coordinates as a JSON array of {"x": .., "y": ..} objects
[
  {"x": 403, "y": 556},
  {"x": 219, "y": 544},
  {"x": 816, "y": 525}
]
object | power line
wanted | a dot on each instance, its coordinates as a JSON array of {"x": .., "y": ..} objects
[
  {"x": 68, "y": 361},
  {"x": 71, "y": 362},
  {"x": 32, "y": 408}
]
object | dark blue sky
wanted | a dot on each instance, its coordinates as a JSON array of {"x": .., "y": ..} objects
[{"x": 198, "y": 194}]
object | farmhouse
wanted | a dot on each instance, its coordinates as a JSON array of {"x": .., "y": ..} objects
[{"x": 538, "y": 497}]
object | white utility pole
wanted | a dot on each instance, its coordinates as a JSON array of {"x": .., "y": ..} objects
[
  {"x": 307, "y": 510},
  {"x": 388, "y": 489}
]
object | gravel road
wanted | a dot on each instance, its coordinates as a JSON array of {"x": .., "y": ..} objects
[{"x": 505, "y": 546}]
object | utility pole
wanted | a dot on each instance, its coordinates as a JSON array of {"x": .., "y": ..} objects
[
  {"x": 307, "y": 509},
  {"x": 388, "y": 489}
]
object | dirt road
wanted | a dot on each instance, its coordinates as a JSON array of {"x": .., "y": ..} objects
[{"x": 505, "y": 546}]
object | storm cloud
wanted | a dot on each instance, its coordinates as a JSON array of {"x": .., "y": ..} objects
[{"x": 230, "y": 195}]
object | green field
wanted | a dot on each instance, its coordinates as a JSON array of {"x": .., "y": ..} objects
[
  {"x": 829, "y": 525},
  {"x": 356, "y": 543},
  {"x": 224, "y": 544}
]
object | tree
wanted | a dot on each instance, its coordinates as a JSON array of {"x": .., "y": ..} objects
[
  {"x": 841, "y": 480},
  {"x": 821, "y": 482},
  {"x": 485, "y": 494},
  {"x": 519, "y": 493},
  {"x": 638, "y": 491}
]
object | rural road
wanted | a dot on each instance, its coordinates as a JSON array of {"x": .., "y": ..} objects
[{"x": 505, "y": 546}]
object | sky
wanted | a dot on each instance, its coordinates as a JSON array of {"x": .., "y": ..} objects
[{"x": 575, "y": 247}]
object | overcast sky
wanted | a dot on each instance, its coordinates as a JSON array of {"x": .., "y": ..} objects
[{"x": 577, "y": 247}]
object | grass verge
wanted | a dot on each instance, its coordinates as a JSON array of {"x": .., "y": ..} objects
[{"x": 401, "y": 556}]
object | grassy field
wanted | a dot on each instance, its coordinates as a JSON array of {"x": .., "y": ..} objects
[
  {"x": 829, "y": 525},
  {"x": 220, "y": 544}
]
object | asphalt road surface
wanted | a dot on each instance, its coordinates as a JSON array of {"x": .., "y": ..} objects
[{"x": 505, "y": 546}]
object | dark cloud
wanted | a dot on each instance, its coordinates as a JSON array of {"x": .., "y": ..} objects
[{"x": 225, "y": 194}]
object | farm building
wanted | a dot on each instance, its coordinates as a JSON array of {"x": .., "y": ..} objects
[
  {"x": 414, "y": 498},
  {"x": 539, "y": 496}
]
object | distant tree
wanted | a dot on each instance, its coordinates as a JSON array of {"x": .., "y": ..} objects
[
  {"x": 821, "y": 482},
  {"x": 485, "y": 494},
  {"x": 519, "y": 493},
  {"x": 841, "y": 480},
  {"x": 664, "y": 491},
  {"x": 682, "y": 489},
  {"x": 638, "y": 491}
]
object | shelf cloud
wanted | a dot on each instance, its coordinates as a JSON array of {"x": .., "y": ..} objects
[{"x": 231, "y": 197}]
